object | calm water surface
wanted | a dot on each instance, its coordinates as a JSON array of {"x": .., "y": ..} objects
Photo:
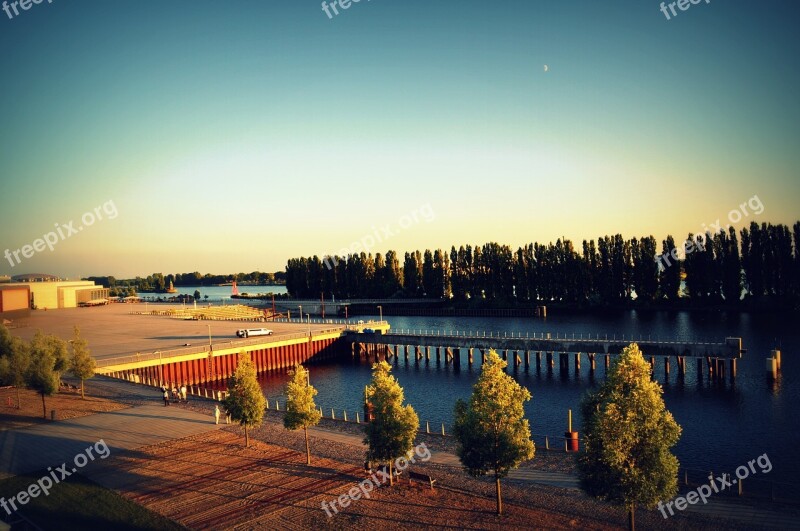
[{"x": 724, "y": 426}]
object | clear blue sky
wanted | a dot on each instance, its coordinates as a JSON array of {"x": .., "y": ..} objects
[{"x": 231, "y": 136}]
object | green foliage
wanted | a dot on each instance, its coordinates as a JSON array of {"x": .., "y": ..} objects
[
  {"x": 245, "y": 401},
  {"x": 628, "y": 434},
  {"x": 48, "y": 360},
  {"x": 197, "y": 294},
  {"x": 301, "y": 411},
  {"x": 82, "y": 365},
  {"x": 392, "y": 432},
  {"x": 492, "y": 432},
  {"x": 15, "y": 358}
]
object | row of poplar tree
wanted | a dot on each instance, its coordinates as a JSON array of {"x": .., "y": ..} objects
[
  {"x": 760, "y": 261},
  {"x": 628, "y": 433},
  {"x": 38, "y": 364}
]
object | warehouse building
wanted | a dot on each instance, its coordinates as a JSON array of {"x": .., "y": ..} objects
[{"x": 47, "y": 292}]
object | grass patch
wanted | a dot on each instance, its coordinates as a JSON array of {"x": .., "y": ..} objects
[{"x": 78, "y": 503}]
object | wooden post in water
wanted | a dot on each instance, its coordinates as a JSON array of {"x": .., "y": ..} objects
[
  {"x": 666, "y": 366},
  {"x": 608, "y": 361},
  {"x": 577, "y": 362},
  {"x": 563, "y": 362},
  {"x": 591, "y": 361},
  {"x": 438, "y": 354},
  {"x": 733, "y": 369},
  {"x": 527, "y": 359},
  {"x": 469, "y": 358},
  {"x": 550, "y": 362}
]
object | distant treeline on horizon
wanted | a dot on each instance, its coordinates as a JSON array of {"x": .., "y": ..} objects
[
  {"x": 159, "y": 283},
  {"x": 759, "y": 264}
]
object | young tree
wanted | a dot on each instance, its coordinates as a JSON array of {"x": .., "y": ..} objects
[
  {"x": 82, "y": 364},
  {"x": 492, "y": 432},
  {"x": 14, "y": 361},
  {"x": 48, "y": 359},
  {"x": 301, "y": 412},
  {"x": 628, "y": 433},
  {"x": 245, "y": 401},
  {"x": 391, "y": 433}
]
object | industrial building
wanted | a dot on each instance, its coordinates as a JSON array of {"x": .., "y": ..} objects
[{"x": 47, "y": 292}]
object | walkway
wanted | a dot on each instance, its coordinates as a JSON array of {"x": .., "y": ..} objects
[{"x": 50, "y": 445}]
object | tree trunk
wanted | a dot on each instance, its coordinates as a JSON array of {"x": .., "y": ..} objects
[
  {"x": 44, "y": 408},
  {"x": 19, "y": 402},
  {"x": 308, "y": 450},
  {"x": 632, "y": 517},
  {"x": 246, "y": 437},
  {"x": 499, "y": 499},
  {"x": 391, "y": 477},
  {"x": 82, "y": 397}
]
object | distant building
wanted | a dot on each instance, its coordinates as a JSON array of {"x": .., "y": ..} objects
[{"x": 50, "y": 292}]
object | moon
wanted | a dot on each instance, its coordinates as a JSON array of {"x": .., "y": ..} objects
[{"x": 546, "y": 68}]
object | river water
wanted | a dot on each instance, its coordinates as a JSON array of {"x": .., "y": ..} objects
[
  {"x": 724, "y": 426},
  {"x": 218, "y": 293}
]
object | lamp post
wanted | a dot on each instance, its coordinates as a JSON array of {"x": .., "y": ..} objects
[
  {"x": 380, "y": 309},
  {"x": 301, "y": 312},
  {"x": 210, "y": 346}
]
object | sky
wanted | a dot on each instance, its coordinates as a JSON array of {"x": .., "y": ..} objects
[{"x": 176, "y": 136}]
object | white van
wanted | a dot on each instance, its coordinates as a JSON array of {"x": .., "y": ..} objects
[{"x": 249, "y": 332}]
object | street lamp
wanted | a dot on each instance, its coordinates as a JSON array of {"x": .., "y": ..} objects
[
  {"x": 301, "y": 312},
  {"x": 380, "y": 309}
]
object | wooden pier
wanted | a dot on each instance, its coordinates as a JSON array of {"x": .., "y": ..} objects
[{"x": 518, "y": 350}]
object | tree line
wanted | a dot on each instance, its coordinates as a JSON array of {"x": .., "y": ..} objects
[
  {"x": 760, "y": 262},
  {"x": 628, "y": 436},
  {"x": 38, "y": 364}
]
